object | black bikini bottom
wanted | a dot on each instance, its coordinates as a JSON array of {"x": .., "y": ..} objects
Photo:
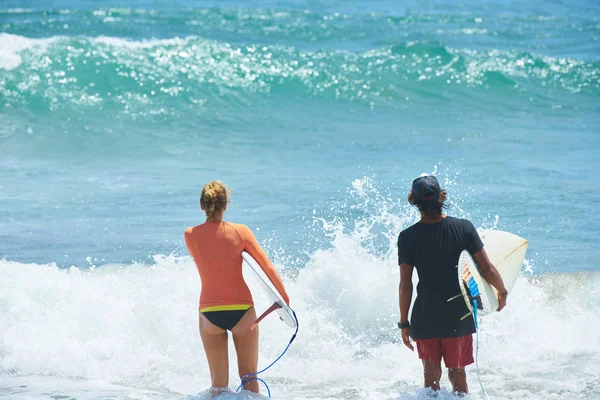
[{"x": 225, "y": 319}]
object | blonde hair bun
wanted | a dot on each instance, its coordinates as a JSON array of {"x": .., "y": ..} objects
[{"x": 214, "y": 198}]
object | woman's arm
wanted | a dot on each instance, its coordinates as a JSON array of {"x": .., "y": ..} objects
[{"x": 253, "y": 248}]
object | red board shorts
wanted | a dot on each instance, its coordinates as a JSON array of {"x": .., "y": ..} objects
[{"x": 457, "y": 352}]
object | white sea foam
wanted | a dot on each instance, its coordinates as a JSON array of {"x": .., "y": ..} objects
[
  {"x": 16, "y": 11},
  {"x": 84, "y": 332},
  {"x": 136, "y": 326},
  {"x": 11, "y": 45},
  {"x": 138, "y": 44}
]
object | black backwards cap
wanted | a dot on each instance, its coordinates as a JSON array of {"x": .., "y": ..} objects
[{"x": 426, "y": 189}]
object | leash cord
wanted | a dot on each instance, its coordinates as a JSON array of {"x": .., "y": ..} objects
[
  {"x": 248, "y": 377},
  {"x": 485, "y": 396}
]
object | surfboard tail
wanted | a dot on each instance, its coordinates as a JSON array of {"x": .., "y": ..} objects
[{"x": 274, "y": 307}]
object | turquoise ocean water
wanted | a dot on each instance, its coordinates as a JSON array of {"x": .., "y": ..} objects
[{"x": 318, "y": 115}]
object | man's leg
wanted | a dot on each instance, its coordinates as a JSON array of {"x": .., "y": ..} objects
[
  {"x": 432, "y": 374},
  {"x": 458, "y": 353},
  {"x": 458, "y": 379},
  {"x": 430, "y": 353}
]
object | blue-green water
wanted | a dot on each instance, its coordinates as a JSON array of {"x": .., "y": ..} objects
[{"x": 318, "y": 115}]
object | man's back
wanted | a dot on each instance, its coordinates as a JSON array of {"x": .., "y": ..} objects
[{"x": 434, "y": 250}]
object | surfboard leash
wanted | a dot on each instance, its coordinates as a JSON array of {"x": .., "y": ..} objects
[
  {"x": 485, "y": 396},
  {"x": 474, "y": 292},
  {"x": 254, "y": 377}
]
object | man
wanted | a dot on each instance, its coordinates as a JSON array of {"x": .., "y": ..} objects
[{"x": 433, "y": 246}]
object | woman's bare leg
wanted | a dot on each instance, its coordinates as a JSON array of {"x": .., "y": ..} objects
[
  {"x": 214, "y": 340},
  {"x": 246, "y": 347}
]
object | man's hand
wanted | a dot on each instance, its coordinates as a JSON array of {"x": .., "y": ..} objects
[
  {"x": 502, "y": 299},
  {"x": 406, "y": 338}
]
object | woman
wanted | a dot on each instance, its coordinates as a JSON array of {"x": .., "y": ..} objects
[
  {"x": 433, "y": 246},
  {"x": 225, "y": 300}
]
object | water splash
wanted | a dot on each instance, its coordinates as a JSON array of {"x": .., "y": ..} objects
[{"x": 136, "y": 325}]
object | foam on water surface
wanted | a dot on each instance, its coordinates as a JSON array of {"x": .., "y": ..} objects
[{"x": 136, "y": 325}]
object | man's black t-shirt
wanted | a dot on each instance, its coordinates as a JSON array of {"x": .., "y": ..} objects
[{"x": 434, "y": 250}]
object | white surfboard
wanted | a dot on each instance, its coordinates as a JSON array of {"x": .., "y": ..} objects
[
  {"x": 279, "y": 305},
  {"x": 506, "y": 251}
]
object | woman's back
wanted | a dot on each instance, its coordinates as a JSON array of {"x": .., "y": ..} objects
[{"x": 216, "y": 248}]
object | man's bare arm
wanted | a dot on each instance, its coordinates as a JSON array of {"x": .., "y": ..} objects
[
  {"x": 405, "y": 291},
  {"x": 491, "y": 275}
]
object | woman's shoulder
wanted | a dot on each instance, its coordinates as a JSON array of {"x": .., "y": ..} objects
[
  {"x": 241, "y": 229},
  {"x": 193, "y": 229},
  {"x": 234, "y": 225},
  {"x": 190, "y": 230}
]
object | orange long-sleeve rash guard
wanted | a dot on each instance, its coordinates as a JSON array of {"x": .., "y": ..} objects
[{"x": 216, "y": 248}]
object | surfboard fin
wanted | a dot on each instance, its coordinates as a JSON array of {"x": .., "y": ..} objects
[
  {"x": 274, "y": 307},
  {"x": 454, "y": 297}
]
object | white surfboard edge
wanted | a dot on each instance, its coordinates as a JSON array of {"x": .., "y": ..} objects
[
  {"x": 506, "y": 252},
  {"x": 284, "y": 311}
]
